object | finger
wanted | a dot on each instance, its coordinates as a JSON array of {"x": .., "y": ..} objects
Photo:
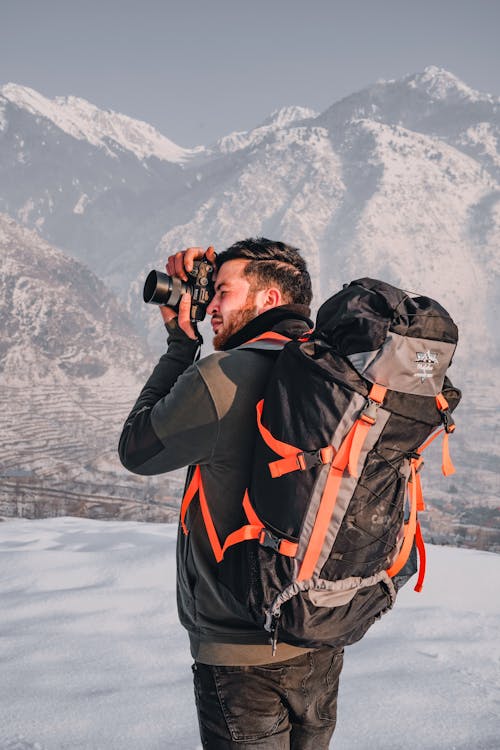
[
  {"x": 184, "y": 320},
  {"x": 167, "y": 313},
  {"x": 191, "y": 254},
  {"x": 179, "y": 269},
  {"x": 210, "y": 254},
  {"x": 170, "y": 267}
]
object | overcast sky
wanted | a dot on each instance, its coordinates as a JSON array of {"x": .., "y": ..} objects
[{"x": 199, "y": 69}]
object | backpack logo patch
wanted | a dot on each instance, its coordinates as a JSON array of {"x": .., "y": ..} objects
[{"x": 426, "y": 361}]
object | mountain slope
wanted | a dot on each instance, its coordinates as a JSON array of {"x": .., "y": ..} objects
[
  {"x": 111, "y": 131},
  {"x": 71, "y": 367},
  {"x": 399, "y": 181},
  {"x": 434, "y": 102},
  {"x": 60, "y": 319}
]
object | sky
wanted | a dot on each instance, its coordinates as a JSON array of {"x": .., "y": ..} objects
[{"x": 199, "y": 69}]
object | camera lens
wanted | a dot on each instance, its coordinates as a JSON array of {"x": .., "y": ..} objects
[{"x": 160, "y": 289}]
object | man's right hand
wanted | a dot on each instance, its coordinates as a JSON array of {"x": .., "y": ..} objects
[{"x": 178, "y": 265}]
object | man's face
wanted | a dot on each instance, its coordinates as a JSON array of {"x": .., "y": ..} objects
[{"x": 234, "y": 304}]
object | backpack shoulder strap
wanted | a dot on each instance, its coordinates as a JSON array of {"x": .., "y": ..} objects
[{"x": 268, "y": 341}]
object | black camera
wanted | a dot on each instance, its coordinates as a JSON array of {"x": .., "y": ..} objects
[{"x": 161, "y": 289}]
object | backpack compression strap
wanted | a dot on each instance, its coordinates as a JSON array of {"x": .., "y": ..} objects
[
  {"x": 413, "y": 531},
  {"x": 346, "y": 457},
  {"x": 294, "y": 459},
  {"x": 196, "y": 486},
  {"x": 255, "y": 528}
]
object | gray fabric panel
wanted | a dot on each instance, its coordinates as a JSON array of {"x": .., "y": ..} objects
[
  {"x": 265, "y": 344},
  {"x": 321, "y": 589},
  {"x": 347, "y": 487},
  {"x": 406, "y": 364},
  {"x": 357, "y": 402}
]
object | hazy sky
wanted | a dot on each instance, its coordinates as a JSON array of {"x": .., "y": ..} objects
[{"x": 198, "y": 69}]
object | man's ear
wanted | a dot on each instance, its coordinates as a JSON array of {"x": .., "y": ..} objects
[{"x": 266, "y": 299}]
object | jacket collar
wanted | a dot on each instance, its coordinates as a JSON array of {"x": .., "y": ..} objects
[{"x": 289, "y": 320}]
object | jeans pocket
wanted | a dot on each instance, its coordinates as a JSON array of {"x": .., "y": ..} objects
[
  {"x": 326, "y": 705},
  {"x": 250, "y": 699}
]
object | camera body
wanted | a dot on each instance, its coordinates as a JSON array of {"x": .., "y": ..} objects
[{"x": 161, "y": 289}]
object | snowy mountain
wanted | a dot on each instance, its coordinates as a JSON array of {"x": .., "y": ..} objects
[
  {"x": 113, "y": 132},
  {"x": 398, "y": 181},
  {"x": 401, "y": 169},
  {"x": 278, "y": 119},
  {"x": 71, "y": 366},
  {"x": 364, "y": 194},
  {"x": 95, "y": 183},
  {"x": 61, "y": 320}
]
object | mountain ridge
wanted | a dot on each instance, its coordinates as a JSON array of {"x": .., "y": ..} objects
[
  {"x": 400, "y": 181},
  {"x": 84, "y": 121}
]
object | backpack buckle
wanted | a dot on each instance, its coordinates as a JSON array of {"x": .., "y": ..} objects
[
  {"x": 310, "y": 459},
  {"x": 369, "y": 411},
  {"x": 268, "y": 539},
  {"x": 448, "y": 421},
  {"x": 417, "y": 460}
]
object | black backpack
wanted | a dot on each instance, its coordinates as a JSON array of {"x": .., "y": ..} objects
[{"x": 347, "y": 412}]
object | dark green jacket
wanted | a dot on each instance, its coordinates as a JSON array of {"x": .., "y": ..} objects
[{"x": 203, "y": 413}]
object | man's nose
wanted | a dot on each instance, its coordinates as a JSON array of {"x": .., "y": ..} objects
[{"x": 212, "y": 307}]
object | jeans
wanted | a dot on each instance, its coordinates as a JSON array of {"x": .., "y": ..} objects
[{"x": 290, "y": 705}]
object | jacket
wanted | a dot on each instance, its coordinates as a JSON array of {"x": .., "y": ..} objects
[{"x": 203, "y": 413}]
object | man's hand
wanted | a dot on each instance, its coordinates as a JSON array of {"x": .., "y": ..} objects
[{"x": 178, "y": 265}]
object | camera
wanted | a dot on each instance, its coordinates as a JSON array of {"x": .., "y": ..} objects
[{"x": 161, "y": 289}]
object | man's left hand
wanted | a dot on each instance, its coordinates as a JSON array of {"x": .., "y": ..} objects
[{"x": 184, "y": 315}]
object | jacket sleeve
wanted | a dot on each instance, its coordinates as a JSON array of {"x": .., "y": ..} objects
[{"x": 174, "y": 421}]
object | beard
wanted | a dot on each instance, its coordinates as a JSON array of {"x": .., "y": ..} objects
[{"x": 234, "y": 322}]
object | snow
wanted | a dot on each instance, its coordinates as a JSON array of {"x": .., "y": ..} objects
[
  {"x": 84, "y": 121},
  {"x": 81, "y": 204},
  {"x": 441, "y": 84},
  {"x": 93, "y": 655},
  {"x": 3, "y": 117},
  {"x": 279, "y": 118}
]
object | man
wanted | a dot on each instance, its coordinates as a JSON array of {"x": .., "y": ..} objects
[{"x": 203, "y": 414}]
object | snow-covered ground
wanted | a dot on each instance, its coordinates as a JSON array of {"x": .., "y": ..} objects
[{"x": 93, "y": 658}]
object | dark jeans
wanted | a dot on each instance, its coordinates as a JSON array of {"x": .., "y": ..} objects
[{"x": 290, "y": 705}]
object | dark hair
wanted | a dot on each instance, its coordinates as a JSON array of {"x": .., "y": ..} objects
[{"x": 272, "y": 263}]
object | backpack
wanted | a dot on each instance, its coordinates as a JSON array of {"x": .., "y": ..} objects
[{"x": 346, "y": 414}]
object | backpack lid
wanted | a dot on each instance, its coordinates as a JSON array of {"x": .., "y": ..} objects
[
  {"x": 358, "y": 318},
  {"x": 400, "y": 340}
]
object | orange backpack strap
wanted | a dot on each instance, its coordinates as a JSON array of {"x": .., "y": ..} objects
[
  {"x": 277, "y": 446},
  {"x": 413, "y": 532},
  {"x": 367, "y": 418},
  {"x": 422, "y": 557},
  {"x": 293, "y": 458},
  {"x": 449, "y": 427},
  {"x": 196, "y": 486},
  {"x": 271, "y": 337},
  {"x": 410, "y": 526},
  {"x": 346, "y": 457},
  {"x": 191, "y": 491},
  {"x": 255, "y": 529}
]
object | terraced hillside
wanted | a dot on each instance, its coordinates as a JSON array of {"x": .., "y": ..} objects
[
  {"x": 71, "y": 367},
  {"x": 58, "y": 457}
]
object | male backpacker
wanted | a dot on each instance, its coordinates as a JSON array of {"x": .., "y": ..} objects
[
  {"x": 346, "y": 415},
  {"x": 313, "y": 553}
]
